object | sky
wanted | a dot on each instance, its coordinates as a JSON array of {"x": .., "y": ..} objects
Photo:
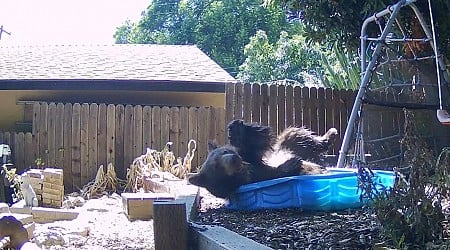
[{"x": 65, "y": 21}]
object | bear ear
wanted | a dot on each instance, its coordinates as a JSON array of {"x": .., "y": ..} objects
[
  {"x": 211, "y": 145},
  {"x": 197, "y": 180}
]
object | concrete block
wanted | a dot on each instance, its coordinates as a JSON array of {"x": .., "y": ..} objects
[
  {"x": 46, "y": 214},
  {"x": 140, "y": 205},
  {"x": 20, "y": 208}
]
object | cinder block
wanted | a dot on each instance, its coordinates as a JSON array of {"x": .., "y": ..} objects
[{"x": 140, "y": 205}]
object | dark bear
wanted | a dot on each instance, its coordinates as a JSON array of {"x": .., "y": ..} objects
[{"x": 255, "y": 154}]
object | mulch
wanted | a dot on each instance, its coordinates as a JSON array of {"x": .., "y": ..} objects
[{"x": 294, "y": 228}]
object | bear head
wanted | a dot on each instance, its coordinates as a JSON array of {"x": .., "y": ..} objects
[{"x": 222, "y": 172}]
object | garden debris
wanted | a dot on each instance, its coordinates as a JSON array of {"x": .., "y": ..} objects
[
  {"x": 296, "y": 228},
  {"x": 163, "y": 165},
  {"x": 102, "y": 184}
]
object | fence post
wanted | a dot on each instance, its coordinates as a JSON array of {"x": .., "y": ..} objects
[{"x": 170, "y": 225}]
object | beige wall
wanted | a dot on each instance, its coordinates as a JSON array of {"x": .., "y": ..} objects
[{"x": 11, "y": 112}]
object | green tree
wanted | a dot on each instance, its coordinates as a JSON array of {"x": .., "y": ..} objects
[
  {"x": 289, "y": 58},
  {"x": 339, "y": 22},
  {"x": 220, "y": 28}
]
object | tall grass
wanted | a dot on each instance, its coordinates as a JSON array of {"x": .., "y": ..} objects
[{"x": 342, "y": 69}]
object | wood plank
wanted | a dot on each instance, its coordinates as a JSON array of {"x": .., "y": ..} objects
[
  {"x": 102, "y": 145},
  {"x": 273, "y": 111},
  {"x": 239, "y": 101},
  {"x": 211, "y": 120},
  {"x": 147, "y": 127},
  {"x": 165, "y": 126},
  {"x": 138, "y": 148},
  {"x": 19, "y": 152},
  {"x": 67, "y": 168},
  {"x": 36, "y": 129},
  {"x": 298, "y": 112},
  {"x": 281, "y": 103},
  {"x": 29, "y": 158},
  {"x": 202, "y": 141},
  {"x": 193, "y": 134},
  {"x": 289, "y": 106},
  {"x": 156, "y": 128},
  {"x": 221, "y": 128},
  {"x": 264, "y": 104},
  {"x": 76, "y": 147},
  {"x": 256, "y": 103},
  {"x": 43, "y": 133},
  {"x": 59, "y": 135},
  {"x": 328, "y": 102},
  {"x": 174, "y": 130},
  {"x": 321, "y": 126},
  {"x": 93, "y": 140},
  {"x": 110, "y": 134},
  {"x": 219, "y": 238},
  {"x": 229, "y": 100},
  {"x": 124, "y": 137},
  {"x": 335, "y": 104},
  {"x": 313, "y": 109},
  {"x": 84, "y": 144},
  {"x": 170, "y": 225},
  {"x": 247, "y": 105},
  {"x": 51, "y": 130},
  {"x": 183, "y": 131},
  {"x": 306, "y": 107}
]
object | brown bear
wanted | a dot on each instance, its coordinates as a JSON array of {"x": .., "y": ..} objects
[{"x": 255, "y": 154}]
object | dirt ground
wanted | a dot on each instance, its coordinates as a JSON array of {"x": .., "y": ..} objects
[{"x": 101, "y": 224}]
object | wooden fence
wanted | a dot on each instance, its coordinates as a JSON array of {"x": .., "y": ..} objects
[
  {"x": 282, "y": 106},
  {"x": 80, "y": 137}
]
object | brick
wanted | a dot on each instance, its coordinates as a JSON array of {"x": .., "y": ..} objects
[
  {"x": 49, "y": 185},
  {"x": 47, "y": 196}
]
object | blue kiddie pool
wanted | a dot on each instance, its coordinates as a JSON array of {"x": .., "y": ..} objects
[{"x": 335, "y": 190}]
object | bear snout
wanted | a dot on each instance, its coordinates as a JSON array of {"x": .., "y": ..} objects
[{"x": 231, "y": 160}]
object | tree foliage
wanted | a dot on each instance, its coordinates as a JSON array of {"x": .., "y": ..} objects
[
  {"x": 289, "y": 58},
  {"x": 221, "y": 28},
  {"x": 339, "y": 22}
]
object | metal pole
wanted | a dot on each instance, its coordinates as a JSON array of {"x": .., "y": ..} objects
[{"x": 367, "y": 71}]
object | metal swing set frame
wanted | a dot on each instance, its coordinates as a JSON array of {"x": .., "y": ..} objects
[{"x": 367, "y": 66}]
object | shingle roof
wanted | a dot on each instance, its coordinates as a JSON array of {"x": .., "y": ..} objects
[{"x": 115, "y": 62}]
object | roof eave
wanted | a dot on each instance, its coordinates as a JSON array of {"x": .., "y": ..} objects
[{"x": 113, "y": 84}]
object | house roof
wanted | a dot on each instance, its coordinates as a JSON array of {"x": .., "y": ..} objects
[{"x": 128, "y": 66}]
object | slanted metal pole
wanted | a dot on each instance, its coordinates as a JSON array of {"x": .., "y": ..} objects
[{"x": 367, "y": 72}]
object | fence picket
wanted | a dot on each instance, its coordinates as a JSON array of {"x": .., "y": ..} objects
[
  {"x": 147, "y": 127},
  {"x": 93, "y": 140},
  {"x": 193, "y": 134},
  {"x": 67, "y": 169},
  {"x": 281, "y": 104},
  {"x": 102, "y": 137},
  {"x": 84, "y": 144},
  {"x": 247, "y": 105},
  {"x": 59, "y": 135},
  {"x": 138, "y": 148},
  {"x": 289, "y": 113},
  {"x": 75, "y": 148},
  {"x": 51, "y": 130},
  {"x": 256, "y": 103}
]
